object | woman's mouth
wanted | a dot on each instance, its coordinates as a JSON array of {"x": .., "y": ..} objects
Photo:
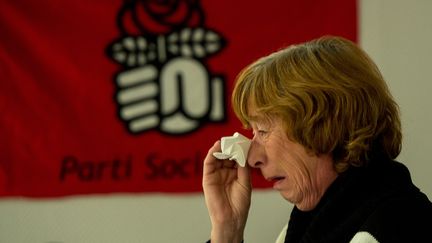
[{"x": 277, "y": 181}]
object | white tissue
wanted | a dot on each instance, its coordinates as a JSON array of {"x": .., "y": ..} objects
[{"x": 235, "y": 147}]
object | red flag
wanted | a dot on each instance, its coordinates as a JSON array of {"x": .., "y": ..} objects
[{"x": 127, "y": 96}]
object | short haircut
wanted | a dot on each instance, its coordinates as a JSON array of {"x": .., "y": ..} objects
[{"x": 330, "y": 96}]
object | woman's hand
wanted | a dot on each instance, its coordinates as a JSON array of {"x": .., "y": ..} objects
[{"x": 227, "y": 191}]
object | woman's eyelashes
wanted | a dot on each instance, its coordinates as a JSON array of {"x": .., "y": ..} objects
[
  {"x": 259, "y": 130},
  {"x": 260, "y": 133}
]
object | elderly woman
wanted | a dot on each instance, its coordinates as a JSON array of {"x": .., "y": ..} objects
[{"x": 326, "y": 131}]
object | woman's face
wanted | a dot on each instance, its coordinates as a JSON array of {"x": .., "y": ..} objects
[{"x": 299, "y": 176}]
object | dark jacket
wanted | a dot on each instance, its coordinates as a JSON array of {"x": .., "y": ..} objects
[{"x": 379, "y": 198}]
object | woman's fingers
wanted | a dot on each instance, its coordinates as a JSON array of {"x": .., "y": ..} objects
[
  {"x": 227, "y": 194},
  {"x": 244, "y": 177},
  {"x": 212, "y": 165},
  {"x": 210, "y": 162}
]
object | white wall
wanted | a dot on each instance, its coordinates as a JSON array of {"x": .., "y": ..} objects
[{"x": 398, "y": 36}]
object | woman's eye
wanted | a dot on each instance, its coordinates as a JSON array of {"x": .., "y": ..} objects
[
  {"x": 263, "y": 133},
  {"x": 260, "y": 132}
]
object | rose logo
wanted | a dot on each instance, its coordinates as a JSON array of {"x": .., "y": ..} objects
[
  {"x": 165, "y": 83},
  {"x": 157, "y": 17}
]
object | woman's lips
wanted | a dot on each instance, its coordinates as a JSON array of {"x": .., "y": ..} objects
[{"x": 277, "y": 181}]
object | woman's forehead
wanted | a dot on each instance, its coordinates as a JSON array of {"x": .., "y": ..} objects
[
  {"x": 258, "y": 118},
  {"x": 252, "y": 109},
  {"x": 252, "y": 113}
]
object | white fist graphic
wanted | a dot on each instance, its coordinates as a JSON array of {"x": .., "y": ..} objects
[
  {"x": 137, "y": 97},
  {"x": 176, "y": 101}
]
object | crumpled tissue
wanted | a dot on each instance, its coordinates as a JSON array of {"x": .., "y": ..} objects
[{"x": 235, "y": 148}]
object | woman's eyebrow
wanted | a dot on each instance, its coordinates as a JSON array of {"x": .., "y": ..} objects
[{"x": 253, "y": 118}]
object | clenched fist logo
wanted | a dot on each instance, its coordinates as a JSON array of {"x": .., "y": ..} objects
[{"x": 165, "y": 83}]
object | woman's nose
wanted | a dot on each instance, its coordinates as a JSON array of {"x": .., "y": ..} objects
[{"x": 255, "y": 156}]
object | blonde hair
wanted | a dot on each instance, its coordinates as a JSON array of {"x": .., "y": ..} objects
[{"x": 331, "y": 97}]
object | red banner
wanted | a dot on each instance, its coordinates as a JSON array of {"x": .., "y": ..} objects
[{"x": 127, "y": 96}]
